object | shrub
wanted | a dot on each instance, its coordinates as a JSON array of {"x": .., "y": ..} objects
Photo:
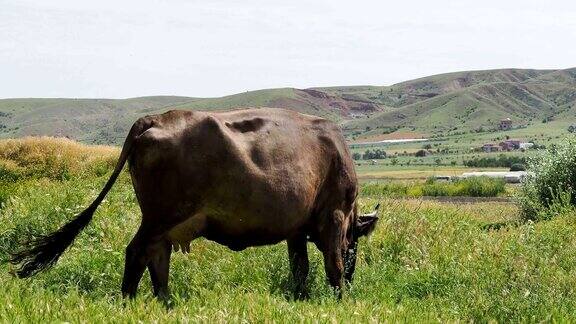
[
  {"x": 490, "y": 162},
  {"x": 421, "y": 153},
  {"x": 518, "y": 167},
  {"x": 375, "y": 154},
  {"x": 549, "y": 186}
]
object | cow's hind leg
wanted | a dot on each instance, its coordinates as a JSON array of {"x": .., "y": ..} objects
[
  {"x": 332, "y": 246},
  {"x": 298, "y": 254},
  {"x": 159, "y": 266},
  {"x": 135, "y": 263}
]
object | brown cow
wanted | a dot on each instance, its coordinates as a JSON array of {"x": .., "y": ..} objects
[{"x": 241, "y": 178}]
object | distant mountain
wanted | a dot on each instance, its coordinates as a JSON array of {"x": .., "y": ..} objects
[{"x": 440, "y": 104}]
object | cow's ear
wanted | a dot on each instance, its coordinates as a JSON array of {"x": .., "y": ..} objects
[{"x": 366, "y": 225}]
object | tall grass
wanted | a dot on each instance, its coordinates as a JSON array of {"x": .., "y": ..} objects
[
  {"x": 470, "y": 187},
  {"x": 389, "y": 189},
  {"x": 425, "y": 262}
]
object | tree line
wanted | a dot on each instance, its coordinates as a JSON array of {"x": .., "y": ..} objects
[{"x": 502, "y": 161}]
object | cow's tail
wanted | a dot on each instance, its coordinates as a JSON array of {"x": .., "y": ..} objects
[{"x": 42, "y": 252}]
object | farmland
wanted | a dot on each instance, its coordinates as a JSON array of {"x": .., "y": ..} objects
[{"x": 426, "y": 261}]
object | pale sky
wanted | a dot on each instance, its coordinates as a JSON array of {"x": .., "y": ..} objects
[{"x": 120, "y": 49}]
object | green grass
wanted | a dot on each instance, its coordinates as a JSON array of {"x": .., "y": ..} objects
[
  {"x": 471, "y": 187},
  {"x": 426, "y": 262}
]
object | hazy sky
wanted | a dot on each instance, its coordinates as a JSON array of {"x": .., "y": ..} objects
[{"x": 118, "y": 49}]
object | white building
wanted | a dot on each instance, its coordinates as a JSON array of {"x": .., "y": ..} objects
[
  {"x": 508, "y": 176},
  {"x": 525, "y": 146}
]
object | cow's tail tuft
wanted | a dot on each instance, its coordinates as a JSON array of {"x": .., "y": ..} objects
[{"x": 44, "y": 251}]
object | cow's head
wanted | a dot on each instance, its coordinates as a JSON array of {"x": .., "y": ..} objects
[{"x": 364, "y": 225}]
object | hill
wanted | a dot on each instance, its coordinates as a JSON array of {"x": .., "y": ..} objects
[
  {"x": 459, "y": 102},
  {"x": 471, "y": 101},
  {"x": 106, "y": 121},
  {"x": 87, "y": 120}
]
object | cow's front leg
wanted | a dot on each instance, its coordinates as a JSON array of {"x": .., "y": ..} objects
[
  {"x": 334, "y": 266},
  {"x": 298, "y": 255},
  {"x": 332, "y": 250}
]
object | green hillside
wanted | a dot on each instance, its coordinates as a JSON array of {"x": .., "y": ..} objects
[
  {"x": 473, "y": 102},
  {"x": 408, "y": 92},
  {"x": 87, "y": 120},
  {"x": 106, "y": 121},
  {"x": 446, "y": 104}
]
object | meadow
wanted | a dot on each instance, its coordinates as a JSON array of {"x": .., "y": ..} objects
[{"x": 426, "y": 262}]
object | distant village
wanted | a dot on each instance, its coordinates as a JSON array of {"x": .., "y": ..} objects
[{"x": 506, "y": 145}]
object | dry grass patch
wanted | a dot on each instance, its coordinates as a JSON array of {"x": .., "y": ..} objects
[{"x": 55, "y": 158}]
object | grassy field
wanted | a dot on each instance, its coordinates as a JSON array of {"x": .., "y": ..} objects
[
  {"x": 446, "y": 156},
  {"x": 426, "y": 261}
]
